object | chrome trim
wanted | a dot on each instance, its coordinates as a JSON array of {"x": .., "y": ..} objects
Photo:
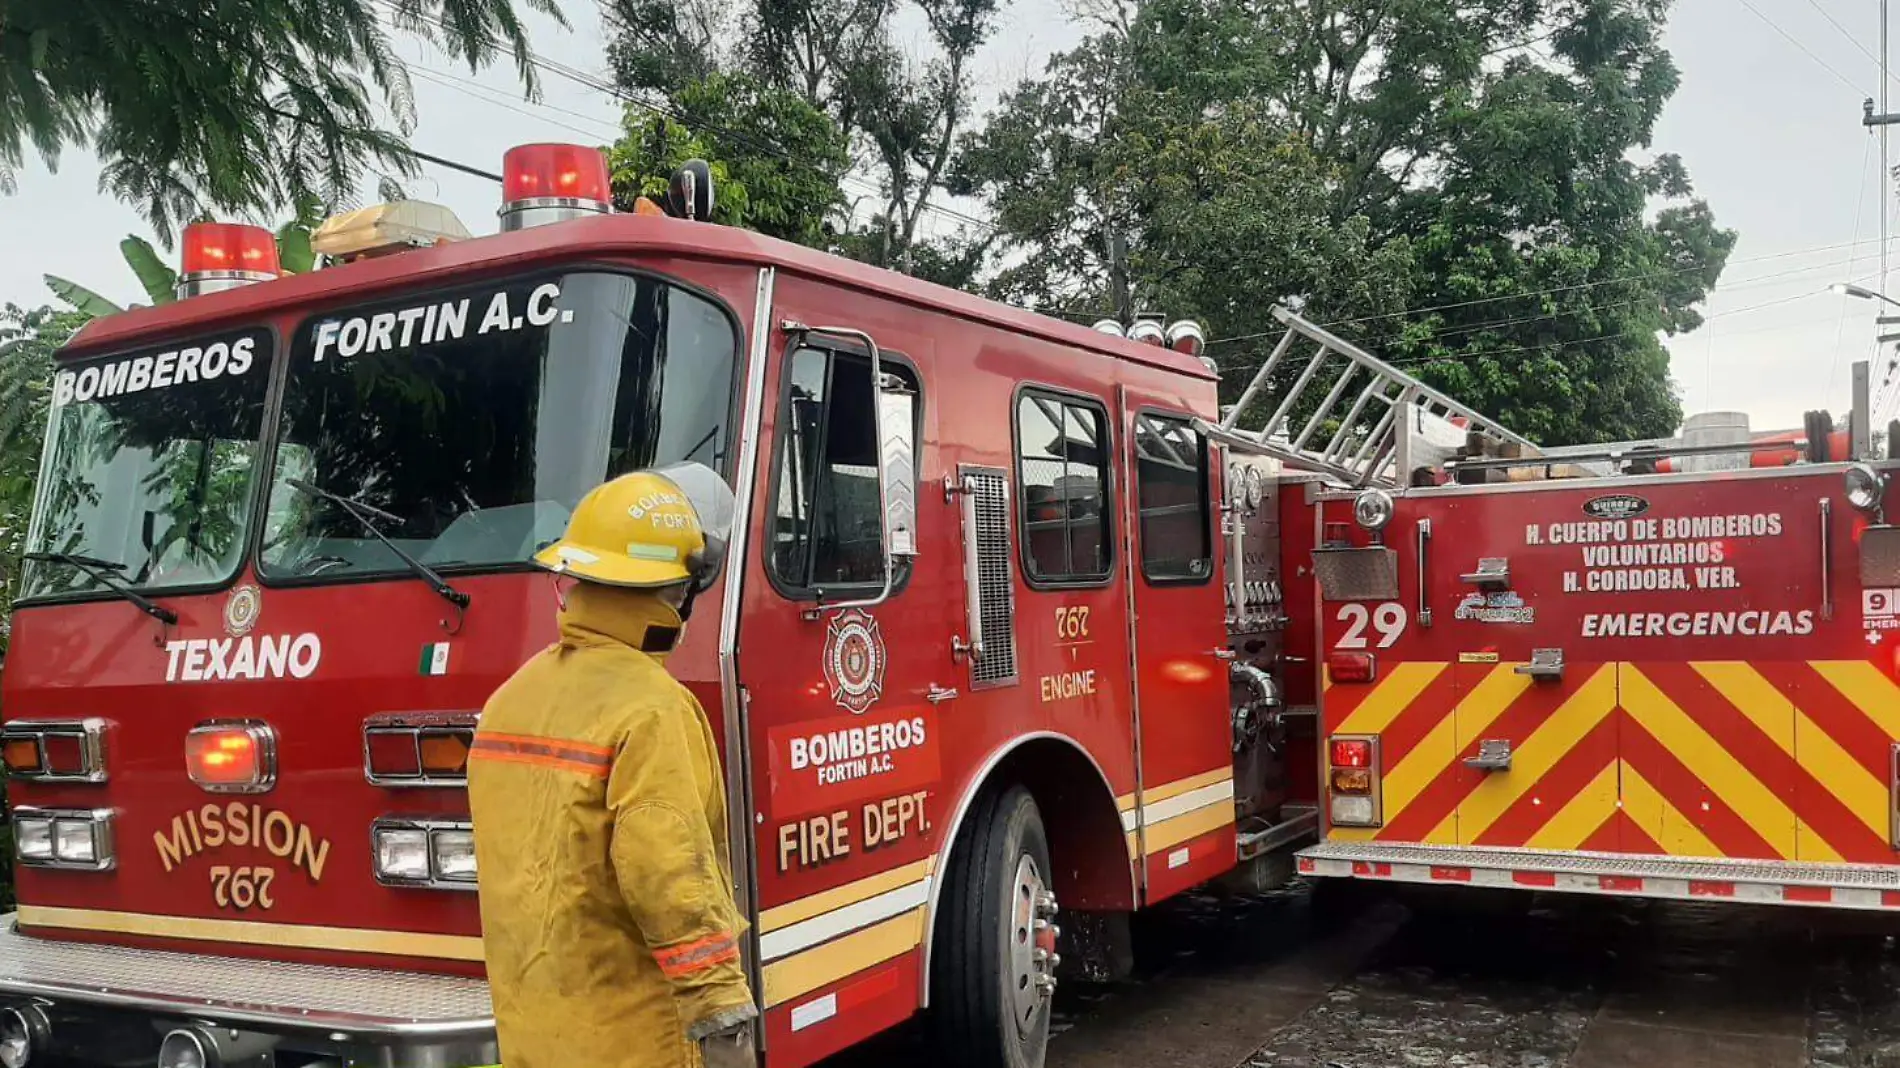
[
  {"x": 418, "y": 724},
  {"x": 89, "y": 731},
  {"x": 77, "y": 975},
  {"x": 105, "y": 855},
  {"x": 1827, "y": 558},
  {"x": 530, "y": 212},
  {"x": 204, "y": 283},
  {"x": 430, "y": 827},
  {"x": 1680, "y": 478},
  {"x": 1373, "y": 765},
  {"x": 851, "y": 333},
  {"x": 733, "y": 700},
  {"x": 977, "y": 784},
  {"x": 262, "y": 734}
]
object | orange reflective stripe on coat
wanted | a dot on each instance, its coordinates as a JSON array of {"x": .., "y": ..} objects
[
  {"x": 592, "y": 761},
  {"x": 684, "y": 960}
]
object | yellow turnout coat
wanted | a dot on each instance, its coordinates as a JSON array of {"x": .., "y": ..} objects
[{"x": 608, "y": 921}]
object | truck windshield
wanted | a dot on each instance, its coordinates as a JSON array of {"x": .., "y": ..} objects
[
  {"x": 473, "y": 420},
  {"x": 149, "y": 466}
]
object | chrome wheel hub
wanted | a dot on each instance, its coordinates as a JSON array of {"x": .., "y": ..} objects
[{"x": 1032, "y": 945}]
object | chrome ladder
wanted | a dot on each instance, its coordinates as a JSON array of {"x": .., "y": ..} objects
[{"x": 1393, "y": 422}]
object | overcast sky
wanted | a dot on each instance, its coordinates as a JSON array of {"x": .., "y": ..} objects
[{"x": 1767, "y": 120}]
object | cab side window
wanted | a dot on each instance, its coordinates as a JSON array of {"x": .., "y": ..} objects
[
  {"x": 1171, "y": 493},
  {"x": 1062, "y": 454},
  {"x": 827, "y": 530}
]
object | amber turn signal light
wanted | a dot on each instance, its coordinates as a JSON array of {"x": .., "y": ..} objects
[
  {"x": 1352, "y": 781},
  {"x": 22, "y": 755},
  {"x": 418, "y": 748}
]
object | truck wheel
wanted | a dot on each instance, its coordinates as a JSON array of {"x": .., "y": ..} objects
[{"x": 995, "y": 961}]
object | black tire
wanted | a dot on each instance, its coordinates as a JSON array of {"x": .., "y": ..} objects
[{"x": 975, "y": 986}]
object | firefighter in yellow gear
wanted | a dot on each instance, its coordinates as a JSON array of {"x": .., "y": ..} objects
[{"x": 608, "y": 920}]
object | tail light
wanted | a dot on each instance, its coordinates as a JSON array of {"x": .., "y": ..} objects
[
  {"x": 78, "y": 839},
  {"x": 232, "y": 758},
  {"x": 219, "y": 256},
  {"x": 1352, "y": 780},
  {"x": 418, "y": 750},
  {"x": 1351, "y": 667},
  {"x": 550, "y": 183},
  {"x": 439, "y": 854},
  {"x": 55, "y": 750}
]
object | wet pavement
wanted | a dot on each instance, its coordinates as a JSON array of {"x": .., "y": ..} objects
[{"x": 1477, "y": 979}]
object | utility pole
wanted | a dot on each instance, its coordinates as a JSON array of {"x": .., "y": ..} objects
[{"x": 1881, "y": 120}]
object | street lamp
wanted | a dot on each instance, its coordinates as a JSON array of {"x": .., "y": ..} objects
[{"x": 1849, "y": 289}]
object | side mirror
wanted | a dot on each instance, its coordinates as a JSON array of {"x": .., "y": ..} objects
[{"x": 897, "y": 463}]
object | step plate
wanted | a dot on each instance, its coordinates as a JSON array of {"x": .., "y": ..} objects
[
  {"x": 1854, "y": 886},
  {"x": 271, "y": 994}
]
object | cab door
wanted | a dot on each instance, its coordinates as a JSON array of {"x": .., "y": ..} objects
[
  {"x": 1186, "y": 810},
  {"x": 838, "y": 673}
]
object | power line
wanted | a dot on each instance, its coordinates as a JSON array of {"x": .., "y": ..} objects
[
  {"x": 1529, "y": 294},
  {"x": 1845, "y": 32},
  {"x": 600, "y": 85},
  {"x": 1790, "y": 38}
]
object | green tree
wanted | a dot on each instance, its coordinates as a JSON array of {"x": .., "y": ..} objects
[
  {"x": 1458, "y": 186},
  {"x": 724, "y": 118},
  {"x": 28, "y": 339},
  {"x": 239, "y": 107},
  {"x": 901, "y": 114}
]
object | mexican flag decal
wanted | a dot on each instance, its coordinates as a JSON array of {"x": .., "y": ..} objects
[{"x": 435, "y": 659}]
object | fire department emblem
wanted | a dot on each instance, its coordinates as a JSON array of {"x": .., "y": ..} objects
[
  {"x": 854, "y": 660},
  {"x": 241, "y": 610},
  {"x": 1615, "y": 506}
]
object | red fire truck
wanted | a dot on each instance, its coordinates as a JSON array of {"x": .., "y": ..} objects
[
  {"x": 969, "y": 657},
  {"x": 1016, "y": 614}
]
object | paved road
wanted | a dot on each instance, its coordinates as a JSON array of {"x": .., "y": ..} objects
[{"x": 1486, "y": 981}]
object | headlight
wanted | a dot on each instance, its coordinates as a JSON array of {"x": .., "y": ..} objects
[
  {"x": 454, "y": 855},
  {"x": 33, "y": 838},
  {"x": 1866, "y": 488},
  {"x": 402, "y": 854},
  {"x": 1373, "y": 509},
  {"x": 424, "y": 853},
  {"x": 73, "y": 842}
]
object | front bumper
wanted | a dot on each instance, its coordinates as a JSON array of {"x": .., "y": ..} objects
[{"x": 114, "y": 1004}]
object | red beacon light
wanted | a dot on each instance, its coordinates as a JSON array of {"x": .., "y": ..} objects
[
  {"x": 550, "y": 183},
  {"x": 220, "y": 256}
]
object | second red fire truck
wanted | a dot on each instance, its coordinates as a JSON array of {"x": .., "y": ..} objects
[{"x": 1020, "y": 631}]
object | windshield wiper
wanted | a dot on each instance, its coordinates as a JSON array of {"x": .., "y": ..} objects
[
  {"x": 99, "y": 569},
  {"x": 367, "y": 514}
]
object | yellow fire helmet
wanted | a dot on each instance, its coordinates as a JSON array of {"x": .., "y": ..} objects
[{"x": 647, "y": 528}]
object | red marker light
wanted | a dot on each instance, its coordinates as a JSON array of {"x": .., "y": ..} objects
[
  {"x": 229, "y": 247},
  {"x": 1350, "y": 667},
  {"x": 569, "y": 172},
  {"x": 392, "y": 754},
  {"x": 1352, "y": 753},
  {"x": 65, "y": 754}
]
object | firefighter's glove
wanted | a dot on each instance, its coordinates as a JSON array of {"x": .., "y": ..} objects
[{"x": 730, "y": 1048}]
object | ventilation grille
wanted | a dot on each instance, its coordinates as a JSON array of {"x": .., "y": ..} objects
[{"x": 995, "y": 582}]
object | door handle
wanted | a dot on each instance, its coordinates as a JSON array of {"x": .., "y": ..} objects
[
  {"x": 1223, "y": 653},
  {"x": 938, "y": 695}
]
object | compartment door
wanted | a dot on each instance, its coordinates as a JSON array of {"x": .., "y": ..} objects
[{"x": 1536, "y": 758}]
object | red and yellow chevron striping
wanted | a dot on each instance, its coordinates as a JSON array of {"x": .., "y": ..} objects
[{"x": 1770, "y": 760}]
